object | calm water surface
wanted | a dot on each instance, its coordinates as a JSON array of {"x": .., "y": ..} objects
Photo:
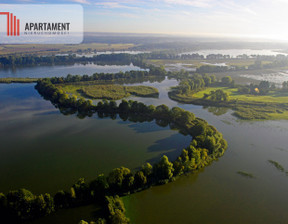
[
  {"x": 64, "y": 70},
  {"x": 218, "y": 194},
  {"x": 43, "y": 150},
  {"x": 46, "y": 151}
]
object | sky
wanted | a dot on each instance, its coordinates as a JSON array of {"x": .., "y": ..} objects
[{"x": 220, "y": 18}]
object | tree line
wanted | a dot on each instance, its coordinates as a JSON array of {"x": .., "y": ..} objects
[
  {"x": 139, "y": 60},
  {"x": 207, "y": 145},
  {"x": 128, "y": 75},
  {"x": 191, "y": 84},
  {"x": 263, "y": 88}
]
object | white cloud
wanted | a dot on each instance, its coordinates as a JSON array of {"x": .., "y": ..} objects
[
  {"x": 82, "y": 1},
  {"x": 193, "y": 3},
  {"x": 114, "y": 5}
]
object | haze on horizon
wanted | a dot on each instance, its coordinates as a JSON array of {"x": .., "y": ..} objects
[{"x": 211, "y": 18}]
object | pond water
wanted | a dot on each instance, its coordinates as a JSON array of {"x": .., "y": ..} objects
[
  {"x": 273, "y": 77},
  {"x": 42, "y": 144},
  {"x": 215, "y": 64},
  {"x": 179, "y": 66},
  {"x": 235, "y": 52},
  {"x": 64, "y": 70}
]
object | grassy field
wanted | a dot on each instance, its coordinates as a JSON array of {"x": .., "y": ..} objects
[
  {"x": 273, "y": 106},
  {"x": 18, "y": 80},
  {"x": 109, "y": 91},
  {"x": 272, "y": 97},
  {"x": 49, "y": 49}
]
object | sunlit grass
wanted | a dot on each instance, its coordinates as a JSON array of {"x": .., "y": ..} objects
[
  {"x": 273, "y": 106},
  {"x": 271, "y": 97},
  {"x": 109, "y": 91}
]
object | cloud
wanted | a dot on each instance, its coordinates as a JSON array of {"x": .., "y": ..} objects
[
  {"x": 233, "y": 7},
  {"x": 26, "y": 1},
  {"x": 193, "y": 3},
  {"x": 114, "y": 5},
  {"x": 82, "y": 1}
]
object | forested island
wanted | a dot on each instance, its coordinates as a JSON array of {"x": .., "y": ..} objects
[
  {"x": 207, "y": 144},
  {"x": 254, "y": 101}
]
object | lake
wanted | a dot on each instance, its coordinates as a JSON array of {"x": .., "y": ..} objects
[
  {"x": 64, "y": 70},
  {"x": 218, "y": 194},
  {"x": 42, "y": 144}
]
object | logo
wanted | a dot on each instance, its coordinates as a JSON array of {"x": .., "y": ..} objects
[
  {"x": 13, "y": 24},
  {"x": 41, "y": 24}
]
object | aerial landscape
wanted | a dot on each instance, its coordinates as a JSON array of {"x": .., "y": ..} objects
[{"x": 169, "y": 111}]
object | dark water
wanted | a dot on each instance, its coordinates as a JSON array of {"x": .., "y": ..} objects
[
  {"x": 218, "y": 194},
  {"x": 64, "y": 70},
  {"x": 44, "y": 150}
]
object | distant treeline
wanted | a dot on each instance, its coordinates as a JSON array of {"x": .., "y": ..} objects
[
  {"x": 207, "y": 145},
  {"x": 128, "y": 58},
  {"x": 139, "y": 60},
  {"x": 30, "y": 60}
]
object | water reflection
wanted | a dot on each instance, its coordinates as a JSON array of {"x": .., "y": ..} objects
[
  {"x": 217, "y": 110},
  {"x": 64, "y": 70},
  {"x": 39, "y": 143},
  {"x": 60, "y": 146}
]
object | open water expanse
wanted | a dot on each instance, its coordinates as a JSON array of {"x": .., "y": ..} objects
[
  {"x": 64, "y": 70},
  {"x": 45, "y": 151}
]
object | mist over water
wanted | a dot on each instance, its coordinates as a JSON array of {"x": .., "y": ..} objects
[{"x": 277, "y": 77}]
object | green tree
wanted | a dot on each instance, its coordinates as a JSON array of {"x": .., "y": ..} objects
[
  {"x": 62, "y": 199},
  {"x": 285, "y": 85},
  {"x": 124, "y": 106},
  {"x": 147, "y": 169},
  {"x": 116, "y": 210},
  {"x": 99, "y": 186},
  {"x": 264, "y": 87},
  {"x": 100, "y": 221},
  {"x": 207, "y": 80},
  {"x": 227, "y": 80},
  {"x": 140, "y": 179},
  {"x": 119, "y": 178},
  {"x": 163, "y": 170},
  {"x": 3, "y": 201},
  {"x": 213, "y": 78},
  {"x": 81, "y": 189}
]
